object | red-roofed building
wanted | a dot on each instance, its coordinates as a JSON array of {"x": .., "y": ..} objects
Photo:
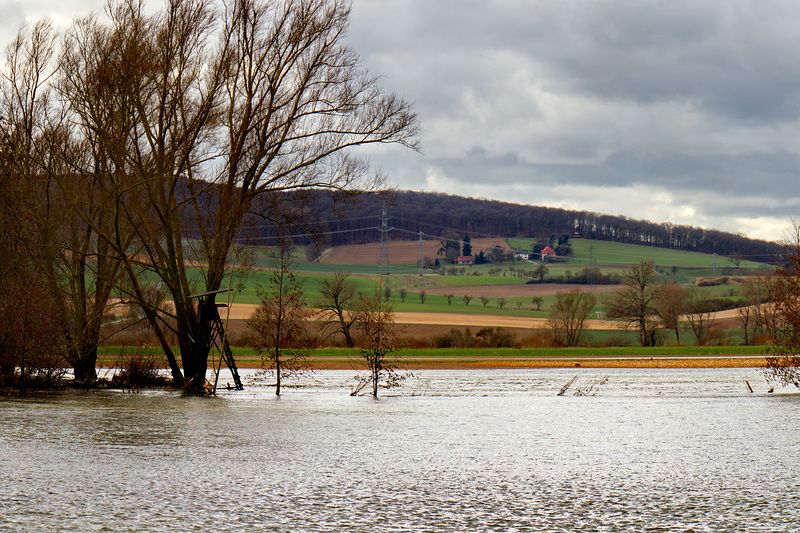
[
  {"x": 548, "y": 254},
  {"x": 465, "y": 260}
]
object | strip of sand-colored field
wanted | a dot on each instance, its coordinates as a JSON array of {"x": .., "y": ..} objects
[
  {"x": 244, "y": 311},
  {"x": 456, "y": 319}
]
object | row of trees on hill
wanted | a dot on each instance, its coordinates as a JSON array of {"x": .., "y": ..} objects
[
  {"x": 436, "y": 213},
  {"x": 135, "y": 152}
]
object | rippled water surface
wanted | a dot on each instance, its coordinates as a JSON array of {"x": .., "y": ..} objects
[{"x": 638, "y": 450}]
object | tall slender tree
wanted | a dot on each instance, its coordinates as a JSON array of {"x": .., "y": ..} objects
[
  {"x": 378, "y": 337},
  {"x": 54, "y": 156},
  {"x": 278, "y": 323}
]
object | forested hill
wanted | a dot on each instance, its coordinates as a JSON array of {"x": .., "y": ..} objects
[{"x": 437, "y": 215}]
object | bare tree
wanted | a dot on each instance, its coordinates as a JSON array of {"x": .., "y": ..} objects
[
  {"x": 278, "y": 323},
  {"x": 422, "y": 296},
  {"x": 449, "y": 298},
  {"x": 765, "y": 317},
  {"x": 735, "y": 259},
  {"x": 537, "y": 301},
  {"x": 339, "y": 305},
  {"x": 402, "y": 292},
  {"x": 569, "y": 314},
  {"x": 634, "y": 302},
  {"x": 484, "y": 300},
  {"x": 783, "y": 361},
  {"x": 752, "y": 296},
  {"x": 467, "y": 299},
  {"x": 378, "y": 338},
  {"x": 699, "y": 315},
  {"x": 669, "y": 303},
  {"x": 501, "y": 302}
]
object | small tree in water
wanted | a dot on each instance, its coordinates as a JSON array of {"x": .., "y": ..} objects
[
  {"x": 378, "y": 338},
  {"x": 278, "y": 322}
]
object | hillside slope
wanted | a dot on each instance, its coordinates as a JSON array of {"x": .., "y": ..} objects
[{"x": 438, "y": 215}]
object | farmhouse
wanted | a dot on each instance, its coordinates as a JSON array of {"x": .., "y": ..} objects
[
  {"x": 522, "y": 256},
  {"x": 548, "y": 254},
  {"x": 465, "y": 260}
]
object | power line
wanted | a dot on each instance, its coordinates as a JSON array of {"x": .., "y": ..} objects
[
  {"x": 317, "y": 223},
  {"x": 301, "y": 235},
  {"x": 383, "y": 260}
]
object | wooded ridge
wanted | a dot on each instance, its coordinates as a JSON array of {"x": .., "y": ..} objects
[{"x": 351, "y": 220}]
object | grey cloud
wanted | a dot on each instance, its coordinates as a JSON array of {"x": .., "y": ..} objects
[
  {"x": 734, "y": 59},
  {"x": 12, "y": 19}
]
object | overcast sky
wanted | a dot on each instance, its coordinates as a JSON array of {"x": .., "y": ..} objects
[{"x": 670, "y": 110}]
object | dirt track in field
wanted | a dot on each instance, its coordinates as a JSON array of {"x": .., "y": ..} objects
[{"x": 401, "y": 252}]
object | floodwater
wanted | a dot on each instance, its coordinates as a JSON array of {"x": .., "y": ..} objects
[{"x": 458, "y": 450}]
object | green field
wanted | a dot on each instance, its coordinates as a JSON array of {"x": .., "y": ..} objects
[{"x": 615, "y": 253}]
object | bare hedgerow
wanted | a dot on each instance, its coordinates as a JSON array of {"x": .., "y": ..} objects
[{"x": 137, "y": 369}]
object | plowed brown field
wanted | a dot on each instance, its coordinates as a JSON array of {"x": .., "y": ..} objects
[{"x": 402, "y": 252}]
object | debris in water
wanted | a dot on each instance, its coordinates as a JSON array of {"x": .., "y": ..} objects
[
  {"x": 584, "y": 391},
  {"x": 566, "y": 386}
]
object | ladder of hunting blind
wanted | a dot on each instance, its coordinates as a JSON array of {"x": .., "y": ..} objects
[{"x": 218, "y": 335}]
